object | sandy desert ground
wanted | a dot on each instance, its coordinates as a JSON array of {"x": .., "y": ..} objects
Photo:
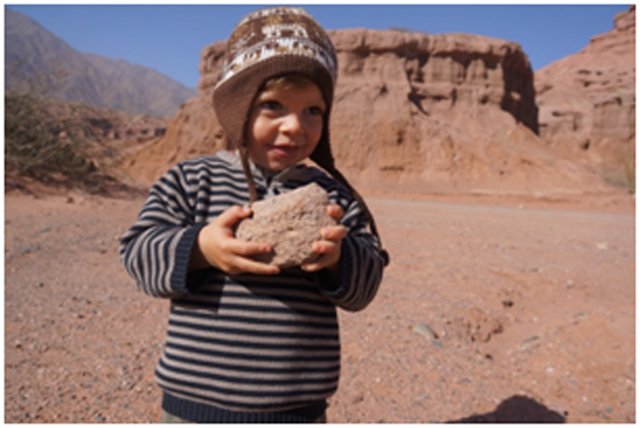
[{"x": 490, "y": 311}]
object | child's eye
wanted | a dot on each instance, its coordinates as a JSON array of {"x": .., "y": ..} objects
[
  {"x": 315, "y": 110},
  {"x": 270, "y": 105}
]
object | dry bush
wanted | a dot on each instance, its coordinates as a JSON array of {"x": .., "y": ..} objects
[{"x": 49, "y": 149}]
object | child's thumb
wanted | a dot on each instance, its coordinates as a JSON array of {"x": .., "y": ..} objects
[{"x": 233, "y": 215}]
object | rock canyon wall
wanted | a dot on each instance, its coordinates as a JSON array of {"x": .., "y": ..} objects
[
  {"x": 422, "y": 113},
  {"x": 587, "y": 100}
]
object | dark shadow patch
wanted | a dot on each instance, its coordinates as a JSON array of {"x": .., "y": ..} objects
[{"x": 517, "y": 409}]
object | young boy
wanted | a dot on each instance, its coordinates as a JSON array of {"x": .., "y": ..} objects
[{"x": 247, "y": 341}]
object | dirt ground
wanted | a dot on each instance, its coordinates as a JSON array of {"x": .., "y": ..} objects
[{"x": 490, "y": 311}]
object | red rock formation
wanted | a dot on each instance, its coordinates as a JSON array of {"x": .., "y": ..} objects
[
  {"x": 587, "y": 100},
  {"x": 433, "y": 113},
  {"x": 428, "y": 113}
]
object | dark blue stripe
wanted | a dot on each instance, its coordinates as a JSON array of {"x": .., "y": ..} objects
[
  {"x": 263, "y": 293},
  {"x": 213, "y": 163},
  {"x": 171, "y": 180},
  {"x": 257, "y": 309},
  {"x": 256, "y": 357},
  {"x": 204, "y": 197},
  {"x": 212, "y": 178}
]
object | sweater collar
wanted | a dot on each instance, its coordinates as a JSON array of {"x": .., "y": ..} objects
[{"x": 262, "y": 174}]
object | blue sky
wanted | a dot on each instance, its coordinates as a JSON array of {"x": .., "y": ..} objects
[{"x": 169, "y": 38}]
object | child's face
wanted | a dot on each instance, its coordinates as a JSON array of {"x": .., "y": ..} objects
[{"x": 285, "y": 125}]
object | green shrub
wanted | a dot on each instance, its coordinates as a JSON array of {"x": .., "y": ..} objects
[
  {"x": 621, "y": 175},
  {"x": 43, "y": 147},
  {"x": 630, "y": 173}
]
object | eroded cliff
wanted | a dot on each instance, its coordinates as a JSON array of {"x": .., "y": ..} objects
[{"x": 587, "y": 101}]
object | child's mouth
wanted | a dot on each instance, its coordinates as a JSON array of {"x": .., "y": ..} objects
[{"x": 284, "y": 151}]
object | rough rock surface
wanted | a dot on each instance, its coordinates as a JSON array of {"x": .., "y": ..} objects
[
  {"x": 290, "y": 223},
  {"x": 587, "y": 100},
  {"x": 430, "y": 113}
]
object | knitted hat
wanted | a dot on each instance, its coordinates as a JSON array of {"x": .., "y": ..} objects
[{"x": 266, "y": 44}]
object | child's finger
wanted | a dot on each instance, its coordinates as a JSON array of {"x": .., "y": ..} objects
[
  {"x": 310, "y": 267},
  {"x": 323, "y": 247},
  {"x": 333, "y": 233},
  {"x": 244, "y": 248},
  {"x": 246, "y": 265},
  {"x": 335, "y": 211},
  {"x": 317, "y": 265}
]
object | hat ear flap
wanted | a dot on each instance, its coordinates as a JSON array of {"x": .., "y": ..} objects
[{"x": 322, "y": 154}]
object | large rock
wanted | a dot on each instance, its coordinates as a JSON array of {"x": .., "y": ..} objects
[
  {"x": 587, "y": 100},
  {"x": 413, "y": 113},
  {"x": 290, "y": 223}
]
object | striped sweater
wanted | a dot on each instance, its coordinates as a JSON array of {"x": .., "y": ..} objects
[{"x": 245, "y": 348}]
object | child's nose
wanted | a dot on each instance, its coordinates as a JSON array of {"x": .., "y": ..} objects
[{"x": 292, "y": 123}]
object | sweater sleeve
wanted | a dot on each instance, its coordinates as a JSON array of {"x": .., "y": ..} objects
[
  {"x": 361, "y": 264},
  {"x": 156, "y": 250}
]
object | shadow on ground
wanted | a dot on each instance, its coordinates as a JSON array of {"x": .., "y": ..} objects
[{"x": 517, "y": 409}]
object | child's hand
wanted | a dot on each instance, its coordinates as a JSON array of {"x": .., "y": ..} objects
[
  {"x": 219, "y": 248},
  {"x": 329, "y": 248}
]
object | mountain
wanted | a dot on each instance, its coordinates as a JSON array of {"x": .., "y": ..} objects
[{"x": 37, "y": 61}]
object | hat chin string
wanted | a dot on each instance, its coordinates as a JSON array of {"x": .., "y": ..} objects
[{"x": 244, "y": 158}]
